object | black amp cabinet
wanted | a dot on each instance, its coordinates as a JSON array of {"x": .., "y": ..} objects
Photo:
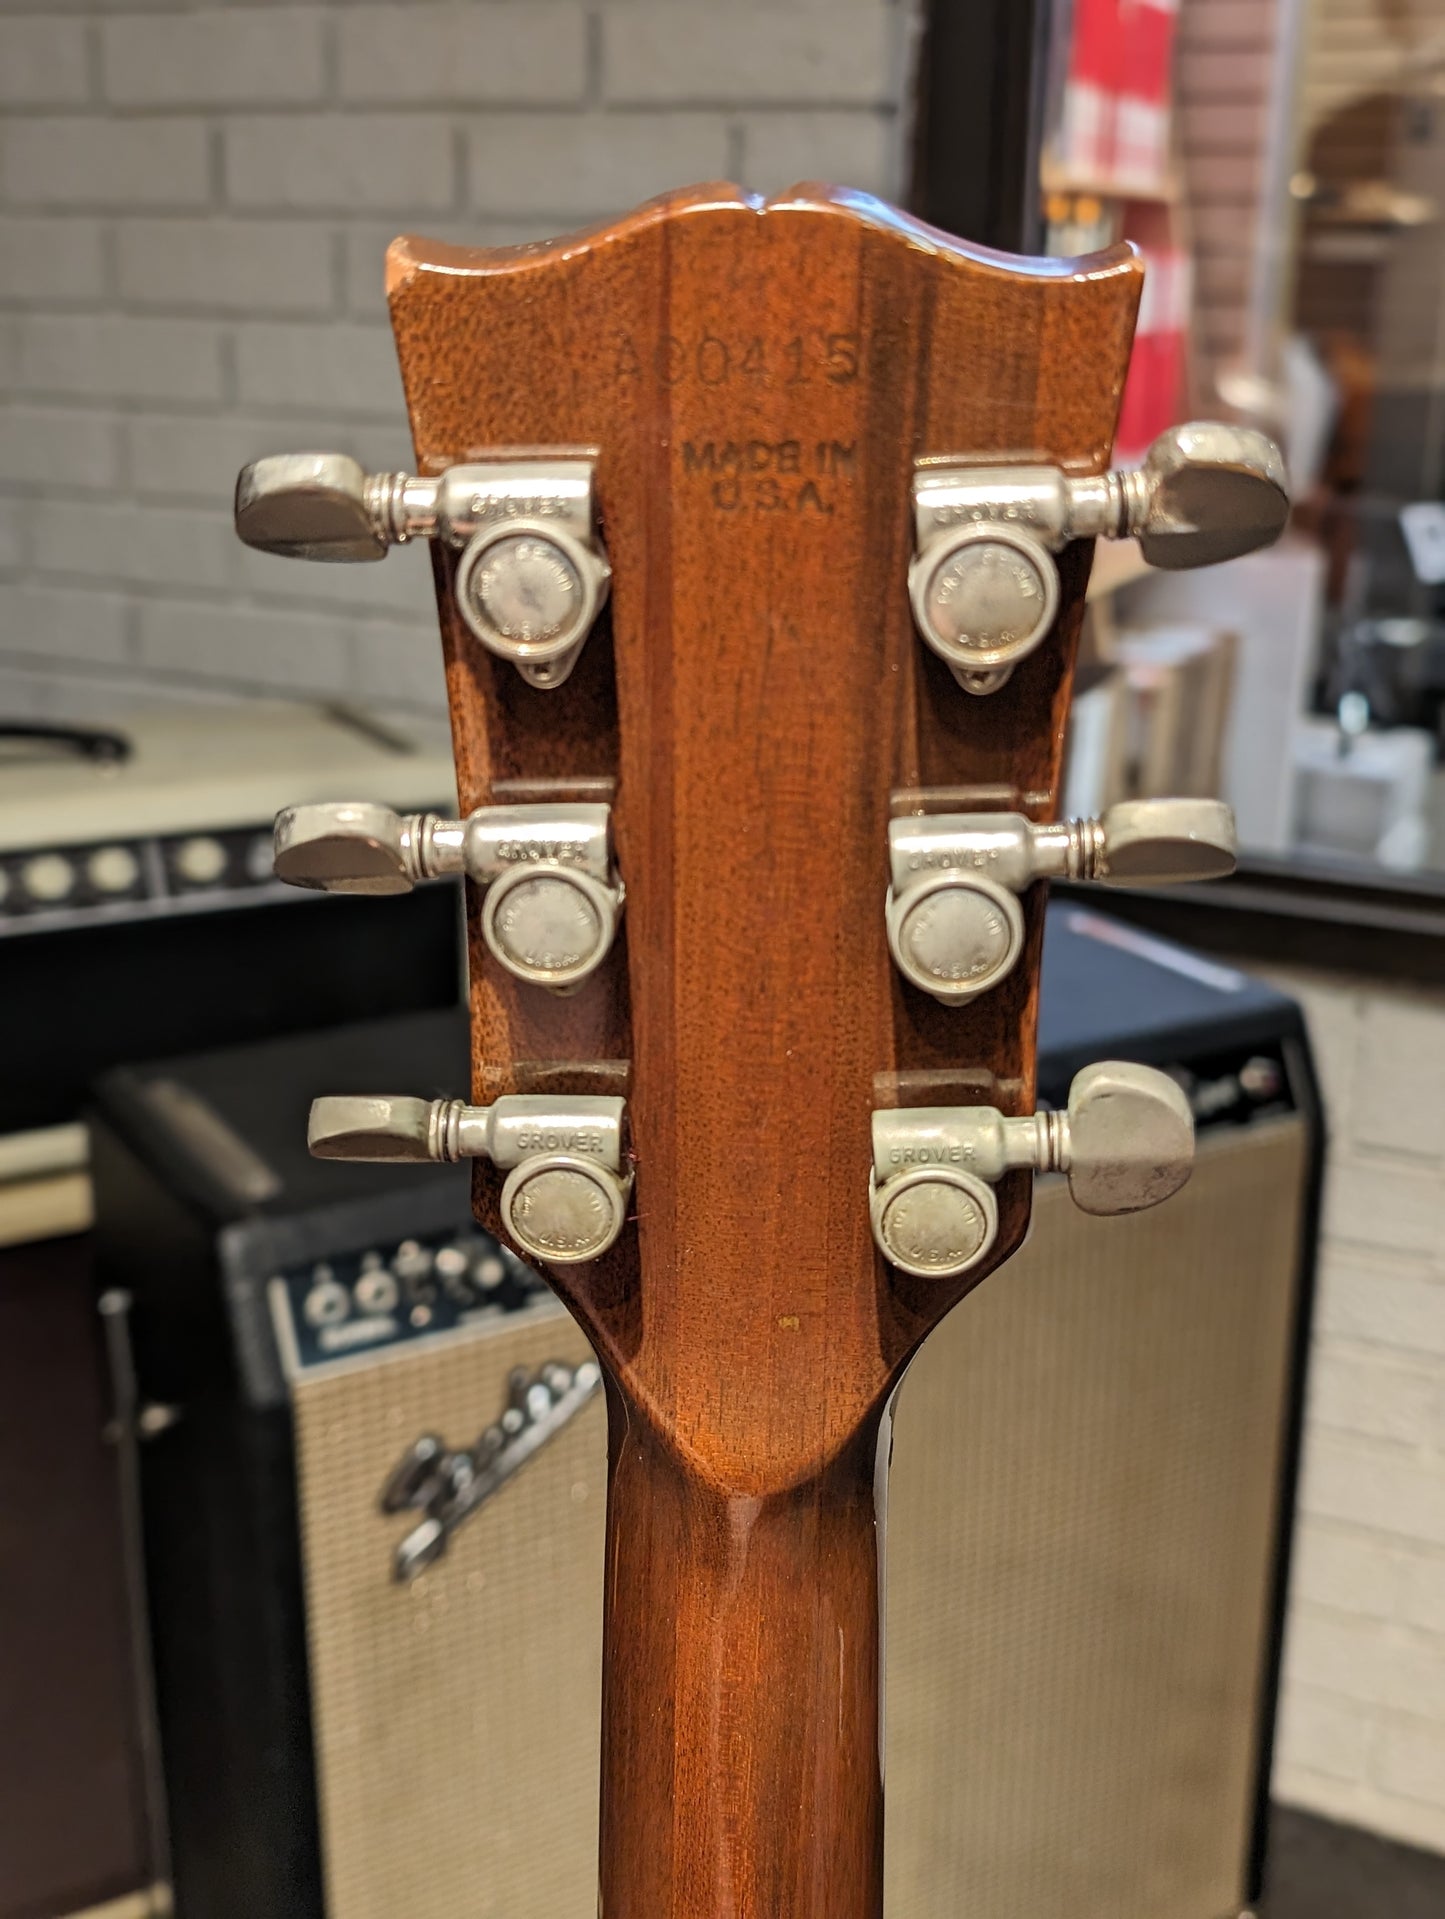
[{"x": 1089, "y": 1504}]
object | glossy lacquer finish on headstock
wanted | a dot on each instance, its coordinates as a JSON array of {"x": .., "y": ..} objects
[{"x": 757, "y": 382}]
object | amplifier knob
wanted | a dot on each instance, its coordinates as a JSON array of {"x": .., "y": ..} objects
[
  {"x": 327, "y": 1302},
  {"x": 377, "y": 1291},
  {"x": 452, "y": 1268},
  {"x": 48, "y": 877},
  {"x": 260, "y": 858},
  {"x": 1261, "y": 1079},
  {"x": 114, "y": 869},
  {"x": 412, "y": 1265},
  {"x": 201, "y": 861}
]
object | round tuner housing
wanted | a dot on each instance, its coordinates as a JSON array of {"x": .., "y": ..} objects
[
  {"x": 562, "y": 1209},
  {"x": 529, "y": 590},
  {"x": 549, "y": 925},
  {"x": 955, "y": 935},
  {"x": 934, "y": 1221},
  {"x": 985, "y": 596}
]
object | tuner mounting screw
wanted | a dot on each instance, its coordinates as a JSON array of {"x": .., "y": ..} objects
[{"x": 1126, "y": 1142}]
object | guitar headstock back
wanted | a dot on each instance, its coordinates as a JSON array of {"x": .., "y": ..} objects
[
  {"x": 697, "y": 481},
  {"x": 757, "y": 383}
]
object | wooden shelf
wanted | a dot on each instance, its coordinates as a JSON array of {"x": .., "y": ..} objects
[{"x": 1055, "y": 179}]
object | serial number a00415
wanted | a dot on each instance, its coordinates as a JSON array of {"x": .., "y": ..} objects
[{"x": 713, "y": 359}]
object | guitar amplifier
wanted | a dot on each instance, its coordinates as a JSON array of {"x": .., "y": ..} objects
[
  {"x": 1089, "y": 1503},
  {"x": 143, "y": 854},
  {"x": 139, "y": 917}
]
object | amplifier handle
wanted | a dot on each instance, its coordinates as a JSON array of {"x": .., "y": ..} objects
[{"x": 129, "y": 1424}]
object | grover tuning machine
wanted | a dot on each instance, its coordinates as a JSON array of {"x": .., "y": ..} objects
[
  {"x": 532, "y": 576},
  {"x": 955, "y": 925},
  {"x": 984, "y": 585},
  {"x": 552, "y": 898},
  {"x": 565, "y": 1195},
  {"x": 1126, "y": 1142}
]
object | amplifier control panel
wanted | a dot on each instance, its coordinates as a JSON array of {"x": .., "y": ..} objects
[
  {"x": 382, "y": 1296},
  {"x": 55, "y": 888}
]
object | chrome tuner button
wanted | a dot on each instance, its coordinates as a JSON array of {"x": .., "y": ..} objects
[
  {"x": 984, "y": 596},
  {"x": 933, "y": 1221},
  {"x": 1208, "y": 492},
  {"x": 349, "y": 846},
  {"x": 309, "y": 506},
  {"x": 550, "y": 927},
  {"x": 561, "y": 1209},
  {"x": 954, "y": 934}
]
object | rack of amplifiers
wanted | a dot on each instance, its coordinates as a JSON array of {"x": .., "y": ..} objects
[
  {"x": 1089, "y": 1507},
  {"x": 139, "y": 917}
]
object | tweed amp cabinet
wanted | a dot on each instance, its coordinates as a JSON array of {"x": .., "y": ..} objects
[{"x": 1092, "y": 1481}]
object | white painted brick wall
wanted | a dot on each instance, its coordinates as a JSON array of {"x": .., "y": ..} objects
[
  {"x": 214, "y": 59},
  {"x": 779, "y": 149},
  {"x": 78, "y": 160},
  {"x": 51, "y": 260},
  {"x": 341, "y": 163},
  {"x": 431, "y": 54},
  {"x": 114, "y": 356},
  {"x": 194, "y": 204},
  {"x": 80, "y": 450},
  {"x": 239, "y": 266},
  {"x": 195, "y": 201},
  {"x": 591, "y": 161},
  {"x": 741, "y": 56},
  {"x": 1362, "y": 1726},
  {"x": 43, "y": 62}
]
